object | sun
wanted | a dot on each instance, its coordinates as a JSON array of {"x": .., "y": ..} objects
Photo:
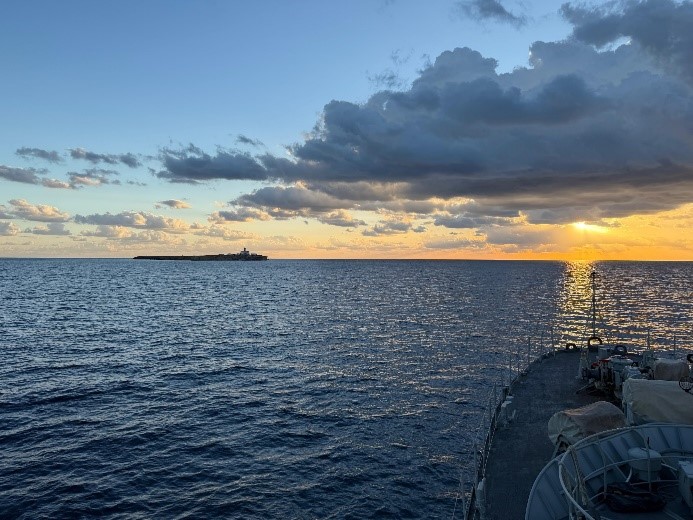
[{"x": 583, "y": 226}]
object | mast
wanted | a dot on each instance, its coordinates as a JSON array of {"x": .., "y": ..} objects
[{"x": 593, "y": 309}]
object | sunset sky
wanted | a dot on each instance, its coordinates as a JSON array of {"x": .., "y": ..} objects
[{"x": 359, "y": 129}]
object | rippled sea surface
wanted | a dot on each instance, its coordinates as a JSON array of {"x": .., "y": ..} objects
[{"x": 281, "y": 389}]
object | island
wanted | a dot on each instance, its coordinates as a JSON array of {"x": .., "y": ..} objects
[{"x": 243, "y": 256}]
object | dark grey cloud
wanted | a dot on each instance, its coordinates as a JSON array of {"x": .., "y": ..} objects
[
  {"x": 340, "y": 218},
  {"x": 291, "y": 198},
  {"x": 489, "y": 10},
  {"x": 127, "y": 159},
  {"x": 191, "y": 165},
  {"x": 462, "y": 221},
  {"x": 130, "y": 160},
  {"x": 31, "y": 176},
  {"x": 283, "y": 203},
  {"x": 663, "y": 28},
  {"x": 47, "y": 155},
  {"x": 23, "y": 175},
  {"x": 577, "y": 134},
  {"x": 243, "y": 139}
]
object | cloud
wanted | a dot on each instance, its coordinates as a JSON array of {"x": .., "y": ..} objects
[
  {"x": 22, "y": 209},
  {"x": 524, "y": 237},
  {"x": 460, "y": 221},
  {"x": 111, "y": 232},
  {"x": 191, "y": 165},
  {"x": 392, "y": 227},
  {"x": 92, "y": 177},
  {"x": 38, "y": 153},
  {"x": 577, "y": 134},
  {"x": 55, "y": 183},
  {"x": 455, "y": 243},
  {"x": 238, "y": 215},
  {"x": 152, "y": 236},
  {"x": 489, "y": 10},
  {"x": 5, "y": 212},
  {"x": 31, "y": 176},
  {"x": 135, "y": 219},
  {"x": 130, "y": 160},
  {"x": 23, "y": 175},
  {"x": 174, "y": 203},
  {"x": 242, "y": 139},
  {"x": 8, "y": 229},
  {"x": 128, "y": 236},
  {"x": 127, "y": 159},
  {"x": 388, "y": 79},
  {"x": 291, "y": 198},
  {"x": 283, "y": 203},
  {"x": 661, "y": 27},
  {"x": 340, "y": 218},
  {"x": 52, "y": 228},
  {"x": 230, "y": 235}
]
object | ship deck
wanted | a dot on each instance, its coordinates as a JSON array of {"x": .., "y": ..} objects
[{"x": 520, "y": 450}]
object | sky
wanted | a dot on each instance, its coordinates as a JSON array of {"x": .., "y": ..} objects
[{"x": 448, "y": 129}]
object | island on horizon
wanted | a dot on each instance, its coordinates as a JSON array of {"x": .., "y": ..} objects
[{"x": 243, "y": 256}]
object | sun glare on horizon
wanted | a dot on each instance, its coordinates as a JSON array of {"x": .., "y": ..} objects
[{"x": 593, "y": 228}]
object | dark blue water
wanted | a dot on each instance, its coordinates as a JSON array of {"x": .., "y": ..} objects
[{"x": 280, "y": 389}]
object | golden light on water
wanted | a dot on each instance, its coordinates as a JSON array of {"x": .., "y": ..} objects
[{"x": 576, "y": 296}]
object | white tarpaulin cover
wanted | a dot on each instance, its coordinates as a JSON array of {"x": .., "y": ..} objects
[
  {"x": 670, "y": 369},
  {"x": 578, "y": 423},
  {"x": 649, "y": 401}
]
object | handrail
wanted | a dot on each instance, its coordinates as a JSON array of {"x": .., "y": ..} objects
[
  {"x": 482, "y": 447},
  {"x": 574, "y": 485}
]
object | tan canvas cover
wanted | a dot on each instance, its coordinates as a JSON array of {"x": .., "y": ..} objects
[
  {"x": 670, "y": 369},
  {"x": 649, "y": 401},
  {"x": 577, "y": 423}
]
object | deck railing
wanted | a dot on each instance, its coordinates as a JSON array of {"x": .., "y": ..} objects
[{"x": 470, "y": 498}]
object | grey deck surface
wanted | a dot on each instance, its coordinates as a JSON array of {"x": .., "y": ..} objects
[{"x": 521, "y": 450}]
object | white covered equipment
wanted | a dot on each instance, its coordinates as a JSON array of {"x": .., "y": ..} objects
[
  {"x": 670, "y": 369},
  {"x": 575, "y": 424},
  {"x": 649, "y": 401}
]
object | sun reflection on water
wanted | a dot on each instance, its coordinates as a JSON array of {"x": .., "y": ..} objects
[
  {"x": 630, "y": 306},
  {"x": 575, "y": 300}
]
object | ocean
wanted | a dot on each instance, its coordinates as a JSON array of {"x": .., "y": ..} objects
[{"x": 283, "y": 389}]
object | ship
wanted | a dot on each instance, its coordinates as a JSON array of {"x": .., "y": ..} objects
[
  {"x": 242, "y": 256},
  {"x": 588, "y": 432}
]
